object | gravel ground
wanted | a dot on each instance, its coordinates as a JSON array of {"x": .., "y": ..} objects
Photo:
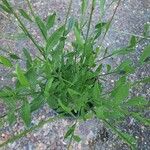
[{"x": 130, "y": 17}]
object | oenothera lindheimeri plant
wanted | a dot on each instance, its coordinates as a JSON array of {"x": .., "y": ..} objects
[{"x": 72, "y": 80}]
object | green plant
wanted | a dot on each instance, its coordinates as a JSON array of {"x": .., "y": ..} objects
[{"x": 71, "y": 81}]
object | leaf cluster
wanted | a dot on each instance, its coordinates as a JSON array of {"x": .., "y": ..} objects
[{"x": 71, "y": 80}]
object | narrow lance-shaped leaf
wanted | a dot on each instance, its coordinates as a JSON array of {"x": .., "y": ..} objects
[
  {"x": 147, "y": 30},
  {"x": 28, "y": 58},
  {"x": 21, "y": 77},
  {"x": 99, "y": 28},
  {"x": 83, "y": 6},
  {"x": 54, "y": 38},
  {"x": 96, "y": 92},
  {"x": 5, "y": 61},
  {"x": 25, "y": 15},
  {"x": 76, "y": 138},
  {"x": 48, "y": 86},
  {"x": 26, "y": 113},
  {"x": 70, "y": 25},
  {"x": 11, "y": 117},
  {"x": 6, "y": 3},
  {"x": 145, "y": 56},
  {"x": 65, "y": 108},
  {"x": 73, "y": 93},
  {"x": 41, "y": 26},
  {"x": 100, "y": 112},
  {"x": 137, "y": 101},
  {"x": 70, "y": 131},
  {"x": 51, "y": 21},
  {"x": 5, "y": 8},
  {"x": 141, "y": 119},
  {"x": 133, "y": 42},
  {"x": 121, "y": 93},
  {"x": 125, "y": 67},
  {"x": 102, "y": 6},
  {"x": 36, "y": 103},
  {"x": 14, "y": 56},
  {"x": 78, "y": 36}
]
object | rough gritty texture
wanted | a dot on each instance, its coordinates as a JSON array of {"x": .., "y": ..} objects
[{"x": 130, "y": 17}]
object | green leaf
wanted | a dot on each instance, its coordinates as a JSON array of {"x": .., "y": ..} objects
[
  {"x": 5, "y": 8},
  {"x": 25, "y": 15},
  {"x": 108, "y": 68},
  {"x": 54, "y": 38},
  {"x": 99, "y": 28},
  {"x": 36, "y": 103},
  {"x": 146, "y": 30},
  {"x": 121, "y": 93},
  {"x": 126, "y": 67},
  {"x": 5, "y": 2},
  {"x": 41, "y": 26},
  {"x": 70, "y": 131},
  {"x": 144, "y": 80},
  {"x": 137, "y": 101},
  {"x": 123, "y": 51},
  {"x": 133, "y": 42},
  {"x": 129, "y": 138},
  {"x": 71, "y": 23},
  {"x": 96, "y": 92},
  {"x": 102, "y": 6},
  {"x": 5, "y": 61},
  {"x": 78, "y": 36},
  {"x": 7, "y": 5},
  {"x": 48, "y": 86},
  {"x": 26, "y": 113},
  {"x": 100, "y": 112},
  {"x": 14, "y": 56},
  {"x": 21, "y": 77},
  {"x": 76, "y": 138},
  {"x": 51, "y": 21},
  {"x": 65, "y": 108},
  {"x": 11, "y": 117},
  {"x": 83, "y": 6},
  {"x": 6, "y": 92},
  {"x": 28, "y": 58},
  {"x": 141, "y": 119},
  {"x": 145, "y": 56},
  {"x": 73, "y": 93}
]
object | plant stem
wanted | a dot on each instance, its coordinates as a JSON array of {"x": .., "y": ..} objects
[
  {"x": 71, "y": 138},
  {"x": 24, "y": 133},
  {"x": 25, "y": 30},
  {"x": 105, "y": 57},
  {"x": 119, "y": 1},
  {"x": 107, "y": 74},
  {"x": 90, "y": 20},
  {"x": 126, "y": 33},
  {"x": 68, "y": 12},
  {"x": 119, "y": 134},
  {"x": 30, "y": 7}
]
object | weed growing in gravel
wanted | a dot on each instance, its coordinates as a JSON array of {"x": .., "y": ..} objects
[{"x": 72, "y": 80}]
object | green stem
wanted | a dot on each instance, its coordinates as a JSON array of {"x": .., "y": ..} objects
[
  {"x": 27, "y": 33},
  {"x": 71, "y": 138},
  {"x": 105, "y": 57},
  {"x": 107, "y": 73},
  {"x": 131, "y": 34},
  {"x": 90, "y": 20},
  {"x": 30, "y": 7},
  {"x": 119, "y": 134},
  {"x": 24, "y": 133},
  {"x": 111, "y": 21},
  {"x": 88, "y": 28},
  {"x": 68, "y": 12}
]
